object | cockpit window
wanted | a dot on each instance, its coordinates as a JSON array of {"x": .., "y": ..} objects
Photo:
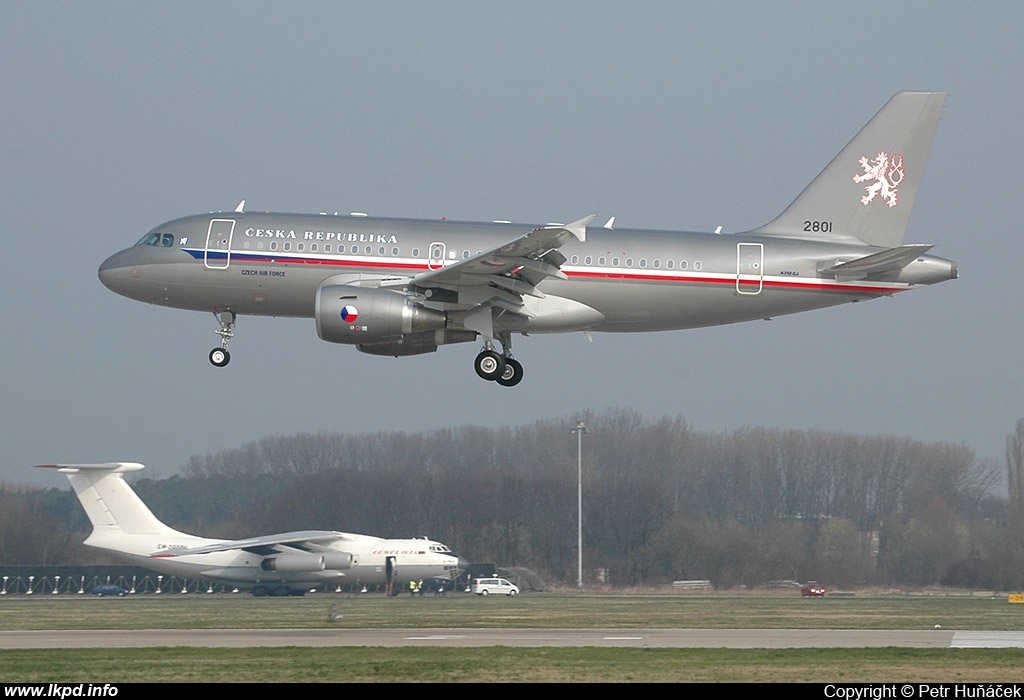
[{"x": 165, "y": 240}]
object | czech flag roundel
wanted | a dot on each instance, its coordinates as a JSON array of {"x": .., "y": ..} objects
[{"x": 349, "y": 314}]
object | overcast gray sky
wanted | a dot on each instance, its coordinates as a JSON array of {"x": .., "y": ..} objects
[{"x": 118, "y": 116}]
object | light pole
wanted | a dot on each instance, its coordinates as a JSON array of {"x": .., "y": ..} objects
[{"x": 580, "y": 429}]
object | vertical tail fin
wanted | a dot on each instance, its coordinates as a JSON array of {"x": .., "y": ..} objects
[
  {"x": 110, "y": 503},
  {"x": 866, "y": 193}
]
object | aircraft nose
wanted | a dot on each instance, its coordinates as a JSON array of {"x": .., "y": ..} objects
[
  {"x": 463, "y": 564},
  {"x": 115, "y": 270}
]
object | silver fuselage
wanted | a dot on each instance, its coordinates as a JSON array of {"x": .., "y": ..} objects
[{"x": 617, "y": 280}]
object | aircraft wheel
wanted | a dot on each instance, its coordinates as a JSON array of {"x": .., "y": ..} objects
[
  {"x": 281, "y": 592},
  {"x": 260, "y": 591},
  {"x": 489, "y": 365},
  {"x": 219, "y": 357},
  {"x": 513, "y": 373}
]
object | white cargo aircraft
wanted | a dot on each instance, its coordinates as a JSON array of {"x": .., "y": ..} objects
[
  {"x": 404, "y": 287},
  {"x": 289, "y": 563}
]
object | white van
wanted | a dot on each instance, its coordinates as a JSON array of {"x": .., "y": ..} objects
[{"x": 486, "y": 586}]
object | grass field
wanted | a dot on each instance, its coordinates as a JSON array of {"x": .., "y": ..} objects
[{"x": 338, "y": 664}]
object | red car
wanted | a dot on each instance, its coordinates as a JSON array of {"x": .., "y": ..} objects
[{"x": 813, "y": 589}]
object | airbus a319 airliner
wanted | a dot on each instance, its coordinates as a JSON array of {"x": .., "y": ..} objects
[{"x": 404, "y": 287}]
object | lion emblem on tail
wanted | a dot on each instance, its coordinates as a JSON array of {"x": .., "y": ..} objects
[{"x": 885, "y": 173}]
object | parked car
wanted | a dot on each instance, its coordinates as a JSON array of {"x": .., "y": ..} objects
[
  {"x": 104, "y": 589},
  {"x": 486, "y": 586},
  {"x": 812, "y": 589}
]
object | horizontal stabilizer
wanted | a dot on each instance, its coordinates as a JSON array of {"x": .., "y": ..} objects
[{"x": 890, "y": 260}]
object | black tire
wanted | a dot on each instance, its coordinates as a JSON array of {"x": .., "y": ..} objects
[
  {"x": 513, "y": 373},
  {"x": 219, "y": 357},
  {"x": 489, "y": 365},
  {"x": 260, "y": 591},
  {"x": 511, "y": 593},
  {"x": 483, "y": 592}
]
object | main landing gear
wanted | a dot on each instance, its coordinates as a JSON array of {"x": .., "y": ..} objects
[
  {"x": 499, "y": 367},
  {"x": 220, "y": 356}
]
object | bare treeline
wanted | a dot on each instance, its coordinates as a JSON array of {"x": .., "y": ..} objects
[{"x": 662, "y": 501}]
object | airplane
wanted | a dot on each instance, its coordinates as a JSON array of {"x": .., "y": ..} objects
[
  {"x": 285, "y": 564},
  {"x": 402, "y": 287}
]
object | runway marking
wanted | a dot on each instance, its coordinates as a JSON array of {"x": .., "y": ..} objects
[{"x": 987, "y": 640}]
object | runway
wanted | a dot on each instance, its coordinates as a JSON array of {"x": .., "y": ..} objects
[{"x": 445, "y": 637}]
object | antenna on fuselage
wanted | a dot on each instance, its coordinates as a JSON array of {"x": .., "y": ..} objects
[{"x": 240, "y": 209}]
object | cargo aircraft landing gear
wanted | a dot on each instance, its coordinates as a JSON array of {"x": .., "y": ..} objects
[
  {"x": 501, "y": 368},
  {"x": 220, "y": 356}
]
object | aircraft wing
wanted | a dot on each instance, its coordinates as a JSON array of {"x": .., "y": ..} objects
[
  {"x": 502, "y": 275},
  {"x": 266, "y": 544},
  {"x": 888, "y": 260}
]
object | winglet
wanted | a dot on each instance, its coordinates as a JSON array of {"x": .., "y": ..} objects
[{"x": 579, "y": 228}]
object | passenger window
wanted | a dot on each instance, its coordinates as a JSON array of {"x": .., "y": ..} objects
[
  {"x": 697, "y": 265},
  {"x": 588, "y": 260},
  {"x": 415, "y": 252},
  {"x": 380, "y": 251},
  {"x": 601, "y": 261},
  {"x": 643, "y": 262},
  {"x": 615, "y": 262},
  {"x": 575, "y": 260},
  {"x": 394, "y": 251},
  {"x": 629, "y": 262}
]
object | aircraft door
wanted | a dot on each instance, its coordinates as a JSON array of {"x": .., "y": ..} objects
[
  {"x": 749, "y": 268},
  {"x": 218, "y": 244},
  {"x": 436, "y": 254}
]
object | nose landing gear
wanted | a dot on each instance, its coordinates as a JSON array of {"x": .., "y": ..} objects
[{"x": 220, "y": 356}]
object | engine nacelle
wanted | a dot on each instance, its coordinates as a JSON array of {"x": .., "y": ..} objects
[
  {"x": 337, "y": 561},
  {"x": 366, "y": 316},
  {"x": 294, "y": 563}
]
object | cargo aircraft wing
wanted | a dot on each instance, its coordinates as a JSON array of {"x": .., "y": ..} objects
[{"x": 305, "y": 540}]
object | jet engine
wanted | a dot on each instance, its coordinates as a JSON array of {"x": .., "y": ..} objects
[
  {"x": 367, "y": 316},
  {"x": 294, "y": 563}
]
